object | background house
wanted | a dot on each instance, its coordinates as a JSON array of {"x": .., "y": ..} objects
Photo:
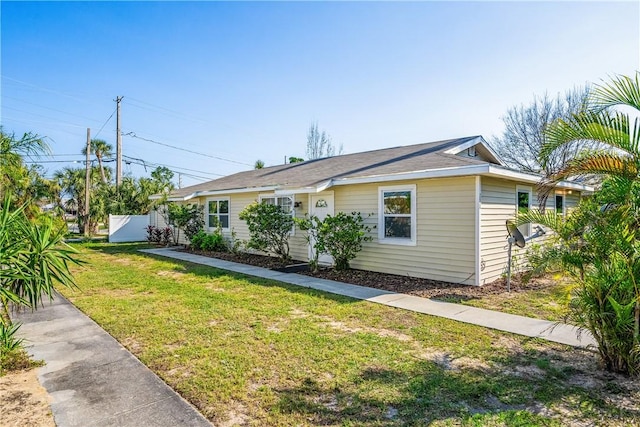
[{"x": 439, "y": 209}]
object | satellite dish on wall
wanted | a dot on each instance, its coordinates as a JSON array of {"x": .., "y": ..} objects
[
  {"x": 514, "y": 233},
  {"x": 516, "y": 237}
]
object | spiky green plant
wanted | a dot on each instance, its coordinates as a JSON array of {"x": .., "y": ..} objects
[
  {"x": 599, "y": 243},
  {"x": 33, "y": 260}
]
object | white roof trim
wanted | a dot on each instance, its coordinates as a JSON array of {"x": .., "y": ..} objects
[
  {"x": 217, "y": 193},
  {"x": 483, "y": 169},
  {"x": 475, "y": 141}
]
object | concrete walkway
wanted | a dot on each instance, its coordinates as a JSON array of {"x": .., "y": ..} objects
[
  {"x": 92, "y": 379},
  {"x": 551, "y": 331}
]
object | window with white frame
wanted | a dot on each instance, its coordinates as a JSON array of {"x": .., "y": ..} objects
[
  {"x": 286, "y": 203},
  {"x": 218, "y": 213},
  {"x": 523, "y": 204},
  {"x": 397, "y": 215},
  {"x": 560, "y": 207}
]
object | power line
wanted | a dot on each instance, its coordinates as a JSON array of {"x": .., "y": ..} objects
[
  {"x": 146, "y": 163},
  {"x": 48, "y": 108},
  {"x": 167, "y": 110},
  {"x": 105, "y": 123},
  {"x": 133, "y": 135},
  {"x": 170, "y": 166},
  {"x": 44, "y": 89}
]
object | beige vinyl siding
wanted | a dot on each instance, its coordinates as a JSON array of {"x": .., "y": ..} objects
[
  {"x": 498, "y": 204},
  {"x": 445, "y": 248}
]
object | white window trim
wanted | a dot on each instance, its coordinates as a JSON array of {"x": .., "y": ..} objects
[
  {"x": 414, "y": 215},
  {"x": 279, "y": 196},
  {"x": 524, "y": 189},
  {"x": 206, "y": 212},
  {"x": 564, "y": 203}
]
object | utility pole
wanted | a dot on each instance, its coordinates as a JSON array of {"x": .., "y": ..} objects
[
  {"x": 179, "y": 180},
  {"x": 118, "y": 144},
  {"x": 87, "y": 184}
]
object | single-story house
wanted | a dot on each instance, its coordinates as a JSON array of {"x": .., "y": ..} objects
[{"x": 437, "y": 210}]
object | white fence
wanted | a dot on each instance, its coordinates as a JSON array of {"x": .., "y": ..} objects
[{"x": 128, "y": 228}]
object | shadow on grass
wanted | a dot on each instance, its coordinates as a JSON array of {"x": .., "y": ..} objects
[
  {"x": 116, "y": 249},
  {"x": 426, "y": 392}
]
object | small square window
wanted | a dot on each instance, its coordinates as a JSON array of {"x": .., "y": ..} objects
[{"x": 218, "y": 213}]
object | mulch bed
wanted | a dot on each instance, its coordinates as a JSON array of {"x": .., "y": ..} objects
[{"x": 425, "y": 288}]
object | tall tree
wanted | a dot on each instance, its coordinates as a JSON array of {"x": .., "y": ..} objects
[
  {"x": 72, "y": 184},
  {"x": 603, "y": 249},
  {"x": 24, "y": 183},
  {"x": 319, "y": 144},
  {"x": 102, "y": 150},
  {"x": 523, "y": 137}
]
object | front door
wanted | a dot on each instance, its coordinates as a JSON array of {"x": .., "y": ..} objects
[{"x": 321, "y": 205}]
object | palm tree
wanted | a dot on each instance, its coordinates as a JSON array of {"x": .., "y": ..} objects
[
  {"x": 101, "y": 149},
  {"x": 72, "y": 183},
  {"x": 605, "y": 245},
  {"x": 605, "y": 125}
]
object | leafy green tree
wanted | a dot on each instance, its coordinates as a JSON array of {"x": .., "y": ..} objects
[
  {"x": 25, "y": 184},
  {"x": 189, "y": 218},
  {"x": 599, "y": 244},
  {"x": 295, "y": 159},
  {"x": 269, "y": 228},
  {"x": 102, "y": 150},
  {"x": 72, "y": 184},
  {"x": 259, "y": 164}
]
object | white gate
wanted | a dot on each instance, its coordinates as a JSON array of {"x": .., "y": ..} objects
[{"x": 128, "y": 228}]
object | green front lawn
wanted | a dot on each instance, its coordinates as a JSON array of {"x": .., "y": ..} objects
[{"x": 254, "y": 351}]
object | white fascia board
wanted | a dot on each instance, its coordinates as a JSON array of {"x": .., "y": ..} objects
[
  {"x": 217, "y": 193},
  {"x": 486, "y": 169},
  {"x": 473, "y": 142},
  {"x": 235, "y": 191},
  {"x": 459, "y": 148},
  {"x": 430, "y": 173},
  {"x": 534, "y": 179},
  {"x": 299, "y": 190}
]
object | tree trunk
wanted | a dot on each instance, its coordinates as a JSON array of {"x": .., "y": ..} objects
[{"x": 104, "y": 178}]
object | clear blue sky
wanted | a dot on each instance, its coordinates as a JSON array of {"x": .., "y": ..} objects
[{"x": 242, "y": 81}]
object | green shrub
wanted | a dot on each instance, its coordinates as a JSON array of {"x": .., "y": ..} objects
[
  {"x": 340, "y": 236},
  {"x": 214, "y": 242},
  {"x": 209, "y": 242},
  {"x": 269, "y": 228},
  {"x": 197, "y": 240}
]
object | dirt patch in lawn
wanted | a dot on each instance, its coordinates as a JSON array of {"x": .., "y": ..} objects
[
  {"x": 23, "y": 401},
  {"x": 420, "y": 287}
]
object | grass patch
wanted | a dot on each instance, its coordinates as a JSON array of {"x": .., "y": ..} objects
[
  {"x": 260, "y": 352},
  {"x": 549, "y": 302}
]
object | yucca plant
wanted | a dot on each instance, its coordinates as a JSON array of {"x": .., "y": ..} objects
[
  {"x": 33, "y": 260},
  {"x": 8, "y": 339}
]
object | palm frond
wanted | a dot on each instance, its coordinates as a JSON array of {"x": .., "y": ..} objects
[
  {"x": 602, "y": 163},
  {"x": 621, "y": 90},
  {"x": 604, "y": 131}
]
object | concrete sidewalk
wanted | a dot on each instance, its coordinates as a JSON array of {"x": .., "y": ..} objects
[
  {"x": 92, "y": 379},
  {"x": 551, "y": 331}
]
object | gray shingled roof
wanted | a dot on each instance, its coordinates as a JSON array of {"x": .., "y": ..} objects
[{"x": 311, "y": 173}]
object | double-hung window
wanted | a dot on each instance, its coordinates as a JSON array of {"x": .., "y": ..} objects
[
  {"x": 397, "y": 215},
  {"x": 218, "y": 213}
]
